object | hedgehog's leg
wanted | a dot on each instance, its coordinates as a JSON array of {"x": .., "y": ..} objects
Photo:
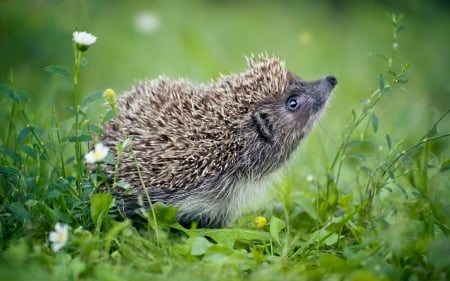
[
  {"x": 206, "y": 210},
  {"x": 206, "y": 217},
  {"x": 129, "y": 205}
]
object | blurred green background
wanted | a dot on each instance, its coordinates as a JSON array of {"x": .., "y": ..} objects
[{"x": 201, "y": 39}]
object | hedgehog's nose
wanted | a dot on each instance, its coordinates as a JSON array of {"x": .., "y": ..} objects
[{"x": 332, "y": 80}]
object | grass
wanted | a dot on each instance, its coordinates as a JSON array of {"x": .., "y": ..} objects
[{"x": 365, "y": 198}]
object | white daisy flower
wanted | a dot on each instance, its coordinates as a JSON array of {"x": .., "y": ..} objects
[
  {"x": 83, "y": 40},
  {"x": 59, "y": 237},
  {"x": 98, "y": 154},
  {"x": 147, "y": 22}
]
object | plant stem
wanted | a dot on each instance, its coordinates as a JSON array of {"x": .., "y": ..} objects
[
  {"x": 375, "y": 97},
  {"x": 147, "y": 195},
  {"x": 58, "y": 136},
  {"x": 76, "y": 80},
  {"x": 13, "y": 109}
]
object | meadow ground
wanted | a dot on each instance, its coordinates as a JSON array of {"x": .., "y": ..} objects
[{"x": 366, "y": 197}]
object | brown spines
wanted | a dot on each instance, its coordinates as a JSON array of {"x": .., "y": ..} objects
[{"x": 182, "y": 133}]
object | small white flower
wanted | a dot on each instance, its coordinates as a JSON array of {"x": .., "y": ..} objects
[
  {"x": 146, "y": 22},
  {"x": 83, "y": 40},
  {"x": 309, "y": 178},
  {"x": 98, "y": 154},
  {"x": 59, "y": 237}
]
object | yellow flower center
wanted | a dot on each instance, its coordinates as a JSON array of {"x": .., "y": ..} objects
[
  {"x": 97, "y": 155},
  {"x": 61, "y": 237}
]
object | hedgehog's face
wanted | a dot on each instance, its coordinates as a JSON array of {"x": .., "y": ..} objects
[{"x": 288, "y": 117}]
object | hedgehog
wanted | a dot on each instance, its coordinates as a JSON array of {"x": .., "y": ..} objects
[{"x": 209, "y": 148}]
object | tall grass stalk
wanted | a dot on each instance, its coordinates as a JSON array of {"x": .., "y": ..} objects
[
  {"x": 58, "y": 136},
  {"x": 13, "y": 109},
  {"x": 76, "y": 84},
  {"x": 335, "y": 168}
]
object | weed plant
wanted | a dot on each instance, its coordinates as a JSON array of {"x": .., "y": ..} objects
[{"x": 378, "y": 210}]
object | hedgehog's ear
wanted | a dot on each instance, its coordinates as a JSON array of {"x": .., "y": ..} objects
[{"x": 263, "y": 125}]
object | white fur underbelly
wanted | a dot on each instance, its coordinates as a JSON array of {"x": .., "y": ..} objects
[{"x": 250, "y": 196}]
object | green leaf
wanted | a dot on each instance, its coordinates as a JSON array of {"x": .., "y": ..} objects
[
  {"x": 199, "y": 245},
  {"x": 374, "y": 121},
  {"x": 108, "y": 116},
  {"x": 405, "y": 66},
  {"x": 9, "y": 171},
  {"x": 357, "y": 156},
  {"x": 227, "y": 236},
  {"x": 353, "y": 143},
  {"x": 18, "y": 210},
  {"x": 391, "y": 174},
  {"x": 433, "y": 131},
  {"x": 69, "y": 160},
  {"x": 402, "y": 79},
  {"x": 11, "y": 154},
  {"x": 57, "y": 70},
  {"x": 333, "y": 263},
  {"x": 166, "y": 215},
  {"x": 438, "y": 252},
  {"x": 331, "y": 239},
  {"x": 29, "y": 151},
  {"x": 381, "y": 82},
  {"x": 402, "y": 190},
  {"x": 15, "y": 96},
  {"x": 393, "y": 73},
  {"x": 122, "y": 146},
  {"x": 82, "y": 138},
  {"x": 365, "y": 170},
  {"x": 71, "y": 109},
  {"x": 52, "y": 194},
  {"x": 124, "y": 185},
  {"x": 109, "y": 159},
  {"x": 307, "y": 204},
  {"x": 21, "y": 97},
  {"x": 4, "y": 88},
  {"x": 322, "y": 236},
  {"x": 389, "y": 142},
  {"x": 23, "y": 134},
  {"x": 9, "y": 93},
  {"x": 276, "y": 225},
  {"x": 44, "y": 211},
  {"x": 445, "y": 166},
  {"x": 94, "y": 129},
  {"x": 100, "y": 205},
  {"x": 363, "y": 275},
  {"x": 95, "y": 96}
]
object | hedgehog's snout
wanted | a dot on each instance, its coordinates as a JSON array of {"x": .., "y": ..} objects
[
  {"x": 323, "y": 89},
  {"x": 326, "y": 85},
  {"x": 332, "y": 80}
]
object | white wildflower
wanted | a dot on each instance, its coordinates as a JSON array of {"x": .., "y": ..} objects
[
  {"x": 98, "y": 154},
  {"x": 83, "y": 40},
  {"x": 59, "y": 237},
  {"x": 309, "y": 178},
  {"x": 146, "y": 22}
]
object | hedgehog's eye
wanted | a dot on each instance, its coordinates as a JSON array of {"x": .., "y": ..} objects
[{"x": 293, "y": 103}]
